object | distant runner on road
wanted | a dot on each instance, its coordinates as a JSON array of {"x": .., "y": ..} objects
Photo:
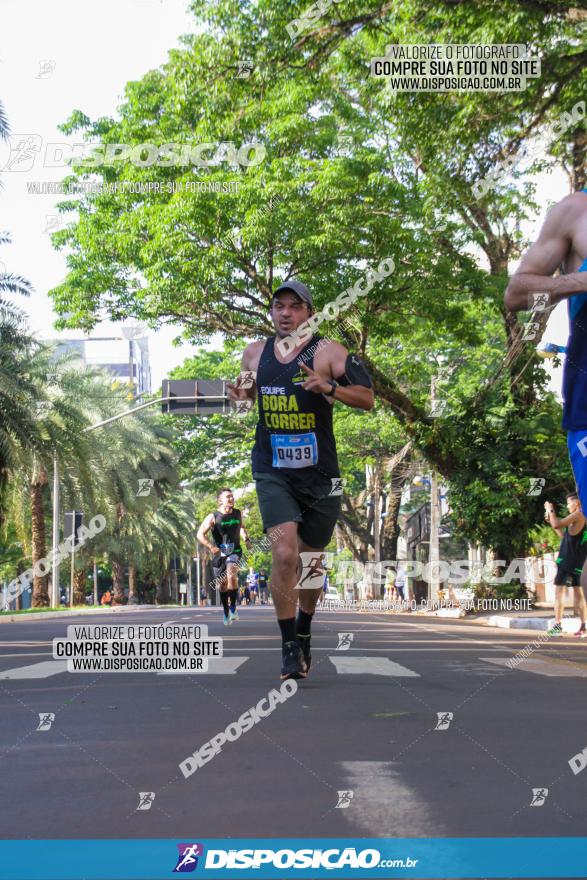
[
  {"x": 295, "y": 465},
  {"x": 226, "y": 525}
]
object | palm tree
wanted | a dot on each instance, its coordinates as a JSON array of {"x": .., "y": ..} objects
[
  {"x": 4, "y": 127},
  {"x": 19, "y": 392}
]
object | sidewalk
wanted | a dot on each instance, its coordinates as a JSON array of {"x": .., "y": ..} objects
[
  {"x": 540, "y": 619},
  {"x": 91, "y": 609}
]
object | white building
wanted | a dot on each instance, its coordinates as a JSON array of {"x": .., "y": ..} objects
[{"x": 120, "y": 356}]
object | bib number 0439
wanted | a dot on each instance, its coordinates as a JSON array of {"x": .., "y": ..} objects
[{"x": 294, "y": 450}]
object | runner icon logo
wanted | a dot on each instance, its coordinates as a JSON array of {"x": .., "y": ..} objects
[
  {"x": 536, "y": 485},
  {"x": 337, "y": 486},
  {"x": 187, "y": 860},
  {"x": 539, "y": 795},
  {"x": 145, "y": 486},
  {"x": 444, "y": 719},
  {"x": 146, "y": 799},
  {"x": 540, "y": 301},
  {"x": 344, "y": 641},
  {"x": 531, "y": 330},
  {"x": 312, "y": 573},
  {"x": 46, "y": 719},
  {"x": 344, "y": 799}
]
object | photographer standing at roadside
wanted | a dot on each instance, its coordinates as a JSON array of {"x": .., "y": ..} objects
[{"x": 571, "y": 558}]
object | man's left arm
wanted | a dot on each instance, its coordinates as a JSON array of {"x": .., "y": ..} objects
[
  {"x": 353, "y": 385},
  {"x": 245, "y": 534}
]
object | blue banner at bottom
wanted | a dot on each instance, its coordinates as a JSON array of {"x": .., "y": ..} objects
[{"x": 304, "y": 858}]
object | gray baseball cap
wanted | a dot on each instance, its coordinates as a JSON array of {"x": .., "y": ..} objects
[{"x": 299, "y": 289}]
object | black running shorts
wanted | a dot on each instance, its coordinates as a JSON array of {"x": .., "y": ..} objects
[
  {"x": 219, "y": 563},
  {"x": 562, "y": 578},
  {"x": 283, "y": 499}
]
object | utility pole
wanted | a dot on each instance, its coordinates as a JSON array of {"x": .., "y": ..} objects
[
  {"x": 190, "y": 598},
  {"x": 434, "y": 546},
  {"x": 55, "y": 591},
  {"x": 377, "y": 512}
]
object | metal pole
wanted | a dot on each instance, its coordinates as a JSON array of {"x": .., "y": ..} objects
[
  {"x": 72, "y": 562},
  {"x": 200, "y": 600},
  {"x": 55, "y": 592},
  {"x": 131, "y": 377},
  {"x": 434, "y": 552},
  {"x": 190, "y": 598},
  {"x": 135, "y": 409},
  {"x": 434, "y": 546},
  {"x": 95, "y": 582}
]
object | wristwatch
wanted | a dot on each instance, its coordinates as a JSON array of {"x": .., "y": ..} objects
[{"x": 334, "y": 385}]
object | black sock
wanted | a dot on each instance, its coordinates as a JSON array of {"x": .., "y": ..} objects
[
  {"x": 232, "y": 600},
  {"x": 303, "y": 623},
  {"x": 224, "y": 600},
  {"x": 288, "y": 629}
]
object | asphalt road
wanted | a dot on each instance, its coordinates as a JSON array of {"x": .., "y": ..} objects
[{"x": 363, "y": 722}]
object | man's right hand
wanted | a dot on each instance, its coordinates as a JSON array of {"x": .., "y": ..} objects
[
  {"x": 215, "y": 550},
  {"x": 236, "y": 393},
  {"x": 244, "y": 387}
]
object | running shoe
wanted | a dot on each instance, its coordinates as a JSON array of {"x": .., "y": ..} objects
[
  {"x": 305, "y": 646},
  {"x": 581, "y": 632},
  {"x": 227, "y": 620},
  {"x": 556, "y": 630},
  {"x": 293, "y": 665},
  {"x": 234, "y": 615}
]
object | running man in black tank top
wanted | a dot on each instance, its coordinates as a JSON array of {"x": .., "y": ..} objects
[
  {"x": 296, "y": 380},
  {"x": 227, "y": 526},
  {"x": 570, "y": 561}
]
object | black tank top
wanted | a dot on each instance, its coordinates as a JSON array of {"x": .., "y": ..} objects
[
  {"x": 294, "y": 434},
  {"x": 573, "y": 551},
  {"x": 226, "y": 531}
]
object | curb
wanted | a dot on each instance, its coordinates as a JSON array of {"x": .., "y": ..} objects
[
  {"x": 568, "y": 624},
  {"x": 117, "y": 609}
]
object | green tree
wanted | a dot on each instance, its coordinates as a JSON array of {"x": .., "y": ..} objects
[{"x": 316, "y": 209}]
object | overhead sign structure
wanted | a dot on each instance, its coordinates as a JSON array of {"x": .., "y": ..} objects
[
  {"x": 73, "y": 521},
  {"x": 201, "y": 397}
]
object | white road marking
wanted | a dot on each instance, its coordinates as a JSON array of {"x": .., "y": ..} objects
[
  {"x": 37, "y": 670},
  {"x": 371, "y": 666},
  {"x": 216, "y": 666},
  {"x": 551, "y": 668},
  {"x": 381, "y": 799}
]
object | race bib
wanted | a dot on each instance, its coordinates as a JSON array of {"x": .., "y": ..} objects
[
  {"x": 294, "y": 450},
  {"x": 226, "y": 549}
]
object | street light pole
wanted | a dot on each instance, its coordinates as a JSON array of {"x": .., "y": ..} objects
[
  {"x": 434, "y": 547},
  {"x": 434, "y": 552},
  {"x": 55, "y": 591}
]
